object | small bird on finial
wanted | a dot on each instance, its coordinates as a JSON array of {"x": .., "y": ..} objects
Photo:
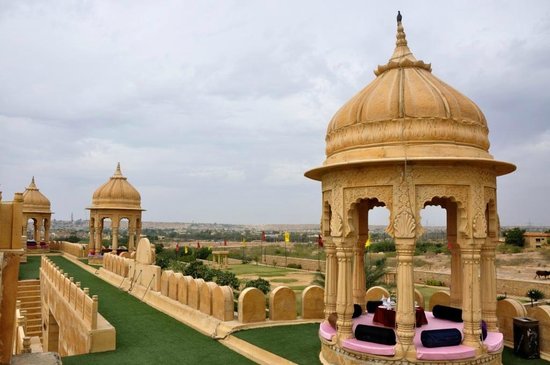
[{"x": 399, "y": 17}]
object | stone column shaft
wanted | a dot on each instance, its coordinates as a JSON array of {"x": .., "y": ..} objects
[
  {"x": 114, "y": 230},
  {"x": 331, "y": 277},
  {"x": 98, "y": 236},
  {"x": 471, "y": 296},
  {"x": 47, "y": 231},
  {"x": 489, "y": 285},
  {"x": 405, "y": 316},
  {"x": 359, "y": 286},
  {"x": 344, "y": 298}
]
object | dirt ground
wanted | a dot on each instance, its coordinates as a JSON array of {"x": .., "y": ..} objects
[{"x": 521, "y": 266}]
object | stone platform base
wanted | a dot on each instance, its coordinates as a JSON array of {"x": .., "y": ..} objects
[{"x": 334, "y": 355}]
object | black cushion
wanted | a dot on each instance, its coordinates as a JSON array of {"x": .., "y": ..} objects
[
  {"x": 448, "y": 313},
  {"x": 357, "y": 311},
  {"x": 385, "y": 336},
  {"x": 483, "y": 330},
  {"x": 440, "y": 338},
  {"x": 372, "y": 305}
]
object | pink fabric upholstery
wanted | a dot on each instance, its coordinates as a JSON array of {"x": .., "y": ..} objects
[
  {"x": 441, "y": 353},
  {"x": 368, "y": 347},
  {"x": 326, "y": 331},
  {"x": 494, "y": 341},
  {"x": 445, "y": 353}
]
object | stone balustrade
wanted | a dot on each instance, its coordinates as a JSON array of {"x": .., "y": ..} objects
[
  {"x": 75, "y": 249},
  {"x": 72, "y": 324}
]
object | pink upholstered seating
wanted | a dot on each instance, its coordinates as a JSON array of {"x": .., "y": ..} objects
[
  {"x": 494, "y": 340},
  {"x": 326, "y": 331},
  {"x": 368, "y": 347}
]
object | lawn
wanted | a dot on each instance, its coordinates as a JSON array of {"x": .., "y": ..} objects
[
  {"x": 427, "y": 292},
  {"x": 144, "y": 335},
  {"x": 299, "y": 343},
  {"x": 260, "y": 270},
  {"x": 30, "y": 269}
]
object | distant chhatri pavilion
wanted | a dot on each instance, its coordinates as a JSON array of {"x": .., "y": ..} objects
[
  {"x": 36, "y": 207},
  {"x": 406, "y": 141},
  {"x": 117, "y": 199}
]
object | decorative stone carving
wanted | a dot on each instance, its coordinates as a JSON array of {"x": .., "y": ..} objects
[
  {"x": 336, "y": 225},
  {"x": 404, "y": 225},
  {"x": 480, "y": 226}
]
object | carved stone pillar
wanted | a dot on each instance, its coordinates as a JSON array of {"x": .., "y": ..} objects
[
  {"x": 331, "y": 276},
  {"x": 344, "y": 298},
  {"x": 489, "y": 285},
  {"x": 452, "y": 241},
  {"x": 471, "y": 296},
  {"x": 91, "y": 245},
  {"x": 131, "y": 234},
  {"x": 36, "y": 235},
  {"x": 39, "y": 227},
  {"x": 359, "y": 286},
  {"x": 47, "y": 230},
  {"x": 138, "y": 230},
  {"x": 114, "y": 230},
  {"x": 98, "y": 235},
  {"x": 405, "y": 316}
]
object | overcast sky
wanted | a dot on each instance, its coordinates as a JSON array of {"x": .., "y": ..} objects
[{"x": 216, "y": 108}]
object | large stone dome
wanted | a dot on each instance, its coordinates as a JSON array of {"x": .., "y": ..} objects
[
  {"x": 117, "y": 193},
  {"x": 34, "y": 201},
  {"x": 409, "y": 114}
]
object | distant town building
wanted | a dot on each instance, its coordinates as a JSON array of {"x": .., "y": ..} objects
[{"x": 536, "y": 239}]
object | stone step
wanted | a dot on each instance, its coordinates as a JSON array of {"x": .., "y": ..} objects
[
  {"x": 28, "y": 296},
  {"x": 31, "y": 304},
  {"x": 34, "y": 315}
]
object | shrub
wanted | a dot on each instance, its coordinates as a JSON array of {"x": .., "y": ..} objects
[
  {"x": 534, "y": 294},
  {"x": 262, "y": 284},
  {"x": 196, "y": 269},
  {"x": 294, "y": 266},
  {"x": 202, "y": 253},
  {"x": 433, "y": 282},
  {"x": 227, "y": 278}
]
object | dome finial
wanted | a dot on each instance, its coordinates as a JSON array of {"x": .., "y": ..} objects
[
  {"x": 401, "y": 37},
  {"x": 32, "y": 185},
  {"x": 118, "y": 172}
]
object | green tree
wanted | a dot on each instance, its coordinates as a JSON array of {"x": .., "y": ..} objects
[
  {"x": 514, "y": 236},
  {"x": 374, "y": 272},
  {"x": 262, "y": 284}
]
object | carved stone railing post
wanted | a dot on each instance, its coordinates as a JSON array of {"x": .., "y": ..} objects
[
  {"x": 331, "y": 276},
  {"x": 344, "y": 298}
]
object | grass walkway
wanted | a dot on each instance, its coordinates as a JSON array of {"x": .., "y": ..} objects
[
  {"x": 298, "y": 343},
  {"x": 144, "y": 335}
]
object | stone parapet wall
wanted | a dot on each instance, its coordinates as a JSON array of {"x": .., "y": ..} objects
[
  {"x": 508, "y": 286},
  {"x": 75, "y": 249},
  {"x": 71, "y": 322},
  {"x": 307, "y": 264}
]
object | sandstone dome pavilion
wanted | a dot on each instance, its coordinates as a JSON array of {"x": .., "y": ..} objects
[
  {"x": 116, "y": 199},
  {"x": 36, "y": 208},
  {"x": 406, "y": 141}
]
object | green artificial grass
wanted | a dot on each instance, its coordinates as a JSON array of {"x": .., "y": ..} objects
[
  {"x": 299, "y": 343},
  {"x": 144, "y": 335},
  {"x": 508, "y": 358},
  {"x": 259, "y": 270},
  {"x": 30, "y": 270}
]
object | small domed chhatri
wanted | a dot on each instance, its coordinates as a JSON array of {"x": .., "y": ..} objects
[
  {"x": 404, "y": 142},
  {"x": 117, "y": 193},
  {"x": 36, "y": 207},
  {"x": 117, "y": 199},
  {"x": 34, "y": 200}
]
